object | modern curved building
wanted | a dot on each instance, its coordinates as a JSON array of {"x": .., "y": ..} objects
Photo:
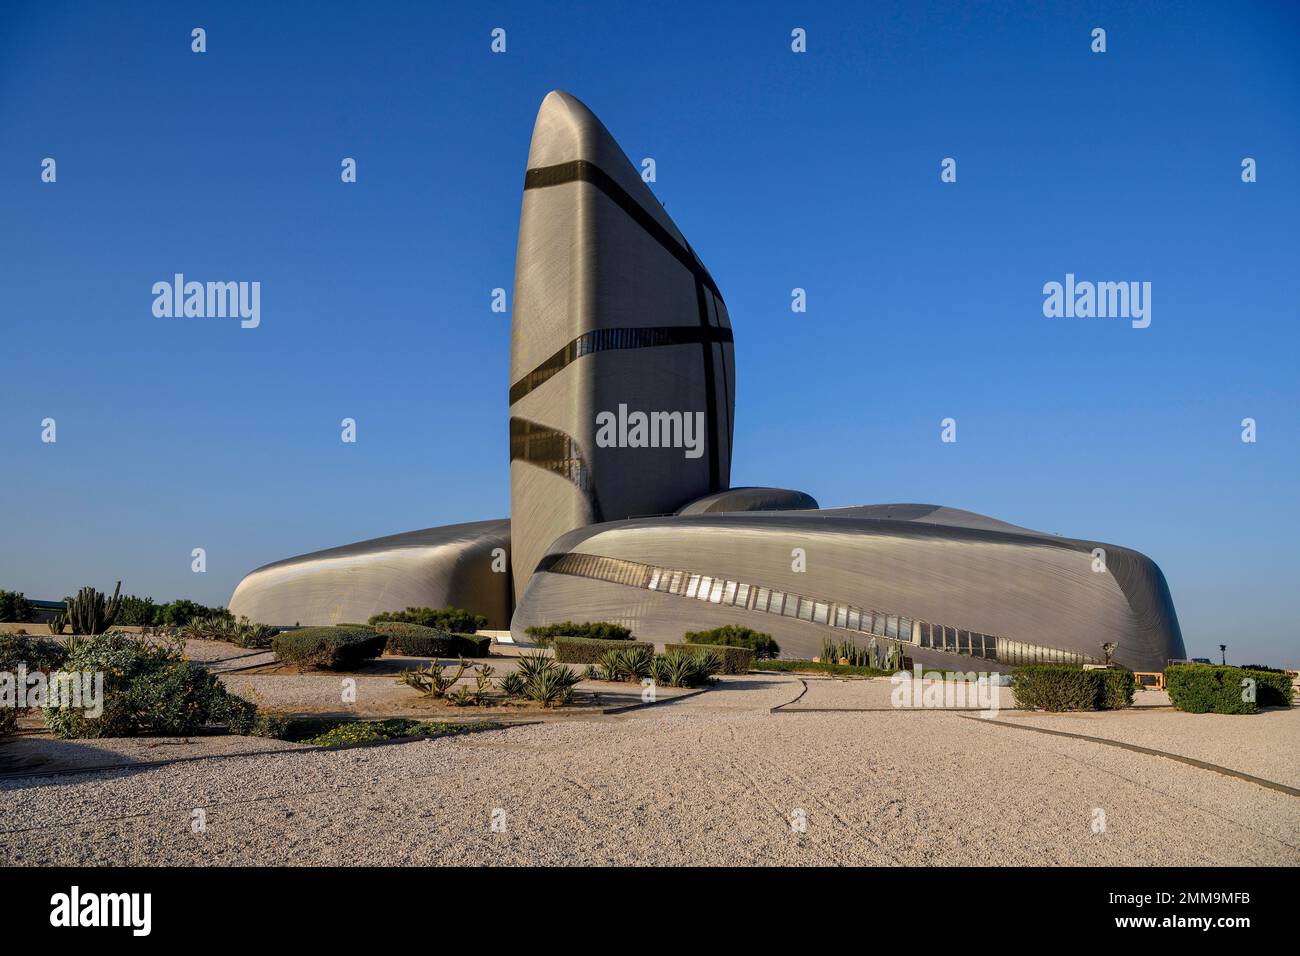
[
  {"x": 622, "y": 401},
  {"x": 459, "y": 565}
]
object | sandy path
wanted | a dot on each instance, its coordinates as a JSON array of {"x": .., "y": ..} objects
[{"x": 712, "y": 779}]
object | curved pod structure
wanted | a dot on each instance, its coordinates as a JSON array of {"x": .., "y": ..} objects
[
  {"x": 953, "y": 588},
  {"x": 451, "y": 566}
]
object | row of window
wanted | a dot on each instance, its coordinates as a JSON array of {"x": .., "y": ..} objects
[{"x": 765, "y": 600}]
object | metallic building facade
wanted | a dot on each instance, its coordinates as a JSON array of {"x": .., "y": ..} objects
[
  {"x": 615, "y": 314},
  {"x": 954, "y": 589},
  {"x": 612, "y": 309},
  {"x": 452, "y": 566}
]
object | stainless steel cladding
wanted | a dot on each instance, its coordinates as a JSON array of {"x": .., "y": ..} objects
[
  {"x": 613, "y": 312},
  {"x": 960, "y": 590},
  {"x": 459, "y": 565}
]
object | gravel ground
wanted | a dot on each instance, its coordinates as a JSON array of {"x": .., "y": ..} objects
[
  {"x": 713, "y": 779},
  {"x": 1265, "y": 745}
]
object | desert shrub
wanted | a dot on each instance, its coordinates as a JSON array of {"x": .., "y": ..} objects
[
  {"x": 628, "y": 662},
  {"x": 1215, "y": 689},
  {"x": 330, "y": 648},
  {"x": 840, "y": 670},
  {"x": 1065, "y": 687},
  {"x": 585, "y": 650},
  {"x": 512, "y": 684},
  {"x": 148, "y": 688},
  {"x": 416, "y": 640},
  {"x": 433, "y": 679},
  {"x": 733, "y": 659},
  {"x": 249, "y": 634},
  {"x": 14, "y": 607},
  {"x": 551, "y": 685},
  {"x": 1273, "y": 687},
  {"x": 370, "y": 731},
  {"x": 682, "y": 668},
  {"x": 452, "y": 620},
  {"x": 546, "y": 681},
  {"x": 1117, "y": 688},
  {"x": 179, "y": 612},
  {"x": 734, "y": 635},
  {"x": 33, "y": 654},
  {"x": 590, "y": 630},
  {"x": 136, "y": 611}
]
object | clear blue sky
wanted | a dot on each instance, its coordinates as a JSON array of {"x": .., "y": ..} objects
[{"x": 818, "y": 170}]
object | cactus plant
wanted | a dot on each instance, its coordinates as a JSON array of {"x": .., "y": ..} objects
[
  {"x": 90, "y": 612},
  {"x": 56, "y": 623}
]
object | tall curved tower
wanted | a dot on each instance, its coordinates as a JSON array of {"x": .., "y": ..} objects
[{"x": 614, "y": 314}]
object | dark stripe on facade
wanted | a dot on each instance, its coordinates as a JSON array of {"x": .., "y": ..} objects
[
  {"x": 579, "y": 169},
  {"x": 710, "y": 394},
  {"x": 557, "y": 452},
  {"x": 604, "y": 340}
]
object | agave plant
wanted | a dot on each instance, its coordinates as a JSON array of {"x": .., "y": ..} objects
[
  {"x": 532, "y": 664},
  {"x": 637, "y": 662},
  {"x": 551, "y": 686},
  {"x": 611, "y": 666},
  {"x": 708, "y": 663},
  {"x": 248, "y": 634},
  {"x": 680, "y": 669},
  {"x": 512, "y": 684}
]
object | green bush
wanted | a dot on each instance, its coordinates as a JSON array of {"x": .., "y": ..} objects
[
  {"x": 733, "y": 635},
  {"x": 14, "y": 607},
  {"x": 33, "y": 654},
  {"x": 179, "y": 612},
  {"x": 590, "y": 630},
  {"x": 148, "y": 689},
  {"x": 370, "y": 731},
  {"x": 1215, "y": 689},
  {"x": 1273, "y": 687},
  {"x": 331, "y": 648},
  {"x": 136, "y": 611},
  {"x": 1065, "y": 687},
  {"x": 735, "y": 659},
  {"x": 416, "y": 640},
  {"x": 452, "y": 620},
  {"x": 840, "y": 670},
  {"x": 585, "y": 650}
]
